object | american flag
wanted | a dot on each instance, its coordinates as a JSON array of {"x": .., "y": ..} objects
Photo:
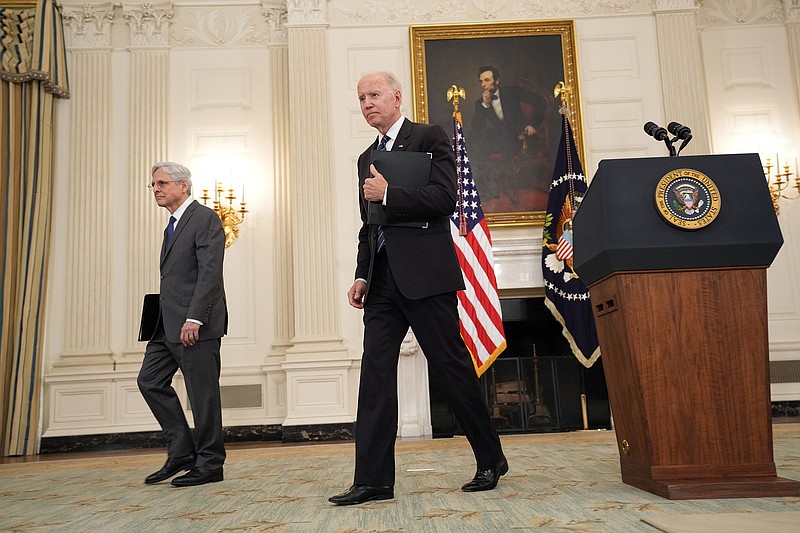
[
  {"x": 565, "y": 295},
  {"x": 479, "y": 311}
]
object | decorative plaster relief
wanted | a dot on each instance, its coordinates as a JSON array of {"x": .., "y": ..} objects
[
  {"x": 149, "y": 23},
  {"x": 489, "y": 8},
  {"x": 675, "y": 5},
  {"x": 90, "y": 25},
  {"x": 276, "y": 17},
  {"x": 543, "y": 9},
  {"x": 739, "y": 12},
  {"x": 307, "y": 11},
  {"x": 220, "y": 28},
  {"x": 380, "y": 12}
]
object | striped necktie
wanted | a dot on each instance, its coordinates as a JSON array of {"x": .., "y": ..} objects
[{"x": 381, "y": 237}]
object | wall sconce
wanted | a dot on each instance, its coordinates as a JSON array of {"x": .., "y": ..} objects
[
  {"x": 230, "y": 217},
  {"x": 780, "y": 183}
]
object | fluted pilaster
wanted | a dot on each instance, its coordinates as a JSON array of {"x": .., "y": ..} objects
[
  {"x": 149, "y": 110},
  {"x": 283, "y": 304},
  {"x": 316, "y": 312},
  {"x": 793, "y": 37},
  {"x": 682, "y": 77},
  {"x": 87, "y": 334}
]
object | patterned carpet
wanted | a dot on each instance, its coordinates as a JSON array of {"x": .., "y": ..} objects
[{"x": 557, "y": 482}]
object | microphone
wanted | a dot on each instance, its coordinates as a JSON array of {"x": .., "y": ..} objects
[
  {"x": 680, "y": 131},
  {"x": 656, "y": 131}
]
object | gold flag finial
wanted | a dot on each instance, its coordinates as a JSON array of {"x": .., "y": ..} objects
[
  {"x": 454, "y": 93},
  {"x": 561, "y": 90}
]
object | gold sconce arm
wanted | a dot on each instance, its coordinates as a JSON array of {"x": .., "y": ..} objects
[
  {"x": 781, "y": 182},
  {"x": 228, "y": 214}
]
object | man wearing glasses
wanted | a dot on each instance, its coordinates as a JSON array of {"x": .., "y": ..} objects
[{"x": 193, "y": 318}]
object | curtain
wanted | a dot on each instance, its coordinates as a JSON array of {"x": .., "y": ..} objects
[{"x": 33, "y": 72}]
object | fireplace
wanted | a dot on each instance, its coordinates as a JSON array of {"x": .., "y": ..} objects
[{"x": 536, "y": 385}]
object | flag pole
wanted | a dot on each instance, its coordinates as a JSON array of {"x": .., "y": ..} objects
[{"x": 454, "y": 93}]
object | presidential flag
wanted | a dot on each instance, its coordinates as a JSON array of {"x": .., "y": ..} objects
[
  {"x": 479, "y": 311},
  {"x": 565, "y": 294}
]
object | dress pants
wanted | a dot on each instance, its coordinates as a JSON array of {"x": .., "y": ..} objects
[
  {"x": 200, "y": 366},
  {"x": 434, "y": 321}
]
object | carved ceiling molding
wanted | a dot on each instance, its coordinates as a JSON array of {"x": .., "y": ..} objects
[
  {"x": 89, "y": 24},
  {"x": 277, "y": 15},
  {"x": 307, "y": 12},
  {"x": 741, "y": 12},
  {"x": 660, "y": 6},
  {"x": 349, "y": 12},
  {"x": 234, "y": 26},
  {"x": 149, "y": 23}
]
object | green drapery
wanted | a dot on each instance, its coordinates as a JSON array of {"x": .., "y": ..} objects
[{"x": 33, "y": 71}]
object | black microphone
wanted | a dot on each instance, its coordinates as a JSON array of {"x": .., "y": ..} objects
[
  {"x": 656, "y": 131},
  {"x": 679, "y": 130}
]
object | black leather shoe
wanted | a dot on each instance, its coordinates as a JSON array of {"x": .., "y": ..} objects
[
  {"x": 198, "y": 477},
  {"x": 487, "y": 479},
  {"x": 170, "y": 468},
  {"x": 362, "y": 493}
]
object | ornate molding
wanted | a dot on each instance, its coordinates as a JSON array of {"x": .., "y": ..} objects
[
  {"x": 539, "y": 9},
  {"x": 409, "y": 346},
  {"x": 90, "y": 24},
  {"x": 404, "y": 11},
  {"x": 740, "y": 12},
  {"x": 674, "y": 5},
  {"x": 489, "y": 8},
  {"x": 276, "y": 16},
  {"x": 792, "y": 10},
  {"x": 149, "y": 23},
  {"x": 219, "y": 28},
  {"x": 304, "y": 12}
]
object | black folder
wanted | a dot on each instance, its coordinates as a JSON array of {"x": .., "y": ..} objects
[
  {"x": 404, "y": 169},
  {"x": 151, "y": 310}
]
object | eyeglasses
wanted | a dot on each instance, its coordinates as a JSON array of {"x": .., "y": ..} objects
[{"x": 160, "y": 185}]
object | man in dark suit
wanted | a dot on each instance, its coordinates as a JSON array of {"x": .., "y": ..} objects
[
  {"x": 412, "y": 276},
  {"x": 192, "y": 320},
  {"x": 506, "y": 129}
]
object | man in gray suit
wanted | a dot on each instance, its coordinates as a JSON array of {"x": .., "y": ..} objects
[{"x": 192, "y": 320}]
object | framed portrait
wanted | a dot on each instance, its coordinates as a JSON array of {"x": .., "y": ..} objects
[{"x": 512, "y": 124}]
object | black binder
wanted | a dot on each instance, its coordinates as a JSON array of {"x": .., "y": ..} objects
[
  {"x": 404, "y": 169},
  {"x": 151, "y": 311}
]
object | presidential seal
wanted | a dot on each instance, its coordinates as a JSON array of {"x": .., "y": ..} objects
[{"x": 687, "y": 199}]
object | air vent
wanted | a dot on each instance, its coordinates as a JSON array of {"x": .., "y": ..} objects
[
  {"x": 784, "y": 371},
  {"x": 239, "y": 397}
]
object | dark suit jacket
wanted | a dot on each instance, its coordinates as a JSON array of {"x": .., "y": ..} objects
[
  {"x": 520, "y": 108},
  {"x": 422, "y": 260},
  {"x": 191, "y": 275}
]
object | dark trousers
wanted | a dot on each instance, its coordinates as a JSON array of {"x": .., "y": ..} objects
[
  {"x": 434, "y": 321},
  {"x": 200, "y": 366}
]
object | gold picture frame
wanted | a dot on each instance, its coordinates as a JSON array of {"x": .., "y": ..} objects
[{"x": 530, "y": 58}]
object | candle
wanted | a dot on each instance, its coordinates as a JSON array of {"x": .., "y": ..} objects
[{"x": 242, "y": 192}]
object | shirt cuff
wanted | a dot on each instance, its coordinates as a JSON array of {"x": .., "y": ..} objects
[{"x": 194, "y": 321}]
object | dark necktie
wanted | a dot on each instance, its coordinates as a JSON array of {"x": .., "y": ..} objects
[
  {"x": 170, "y": 228},
  {"x": 381, "y": 237}
]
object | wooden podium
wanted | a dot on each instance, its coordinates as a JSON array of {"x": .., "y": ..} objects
[{"x": 681, "y": 317}]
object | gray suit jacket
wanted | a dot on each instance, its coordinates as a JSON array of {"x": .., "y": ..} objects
[{"x": 191, "y": 275}]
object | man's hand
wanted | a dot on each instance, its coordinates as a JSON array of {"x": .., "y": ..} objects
[
  {"x": 355, "y": 296},
  {"x": 375, "y": 187},
  {"x": 529, "y": 130},
  {"x": 487, "y": 97},
  {"x": 190, "y": 333}
]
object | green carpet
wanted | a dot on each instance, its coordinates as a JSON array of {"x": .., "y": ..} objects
[{"x": 558, "y": 482}]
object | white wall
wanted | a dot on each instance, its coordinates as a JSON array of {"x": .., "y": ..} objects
[{"x": 220, "y": 119}]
